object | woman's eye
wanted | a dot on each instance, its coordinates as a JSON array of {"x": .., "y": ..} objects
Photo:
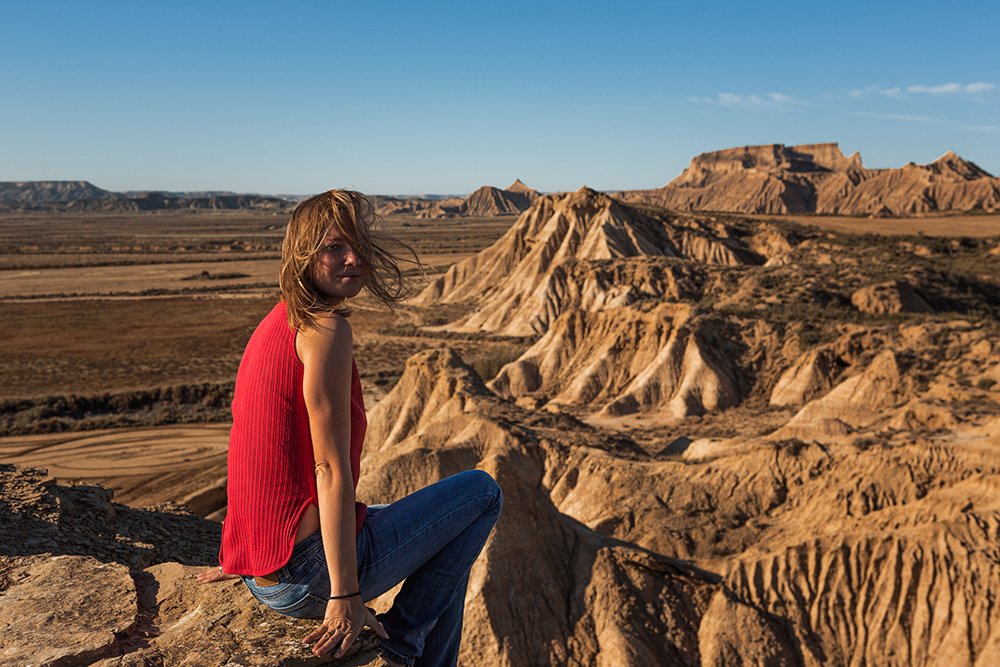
[{"x": 333, "y": 246}]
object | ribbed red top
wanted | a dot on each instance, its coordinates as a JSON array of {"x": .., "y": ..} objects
[{"x": 271, "y": 470}]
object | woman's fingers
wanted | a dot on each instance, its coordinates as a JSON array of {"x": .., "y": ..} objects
[
  {"x": 314, "y": 635},
  {"x": 347, "y": 642},
  {"x": 334, "y": 633},
  {"x": 375, "y": 625},
  {"x": 215, "y": 574},
  {"x": 324, "y": 638},
  {"x": 335, "y": 641}
]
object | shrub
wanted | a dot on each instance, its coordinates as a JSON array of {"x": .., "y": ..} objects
[{"x": 488, "y": 366}]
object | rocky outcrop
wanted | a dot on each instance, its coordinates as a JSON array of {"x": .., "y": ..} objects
[
  {"x": 87, "y": 581},
  {"x": 520, "y": 188},
  {"x": 896, "y": 296},
  {"x": 853, "y": 404},
  {"x": 818, "y": 178},
  {"x": 487, "y": 201},
  {"x": 933, "y": 554},
  {"x": 809, "y": 377},
  {"x": 60, "y": 610}
]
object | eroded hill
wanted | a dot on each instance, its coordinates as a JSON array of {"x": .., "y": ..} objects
[{"x": 809, "y": 416}]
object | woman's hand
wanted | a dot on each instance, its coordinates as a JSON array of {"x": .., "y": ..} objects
[
  {"x": 215, "y": 574},
  {"x": 344, "y": 621}
]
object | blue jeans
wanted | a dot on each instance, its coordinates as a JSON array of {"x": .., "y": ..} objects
[{"x": 430, "y": 538}]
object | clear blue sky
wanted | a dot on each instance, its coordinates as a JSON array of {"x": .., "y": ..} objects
[{"x": 439, "y": 97}]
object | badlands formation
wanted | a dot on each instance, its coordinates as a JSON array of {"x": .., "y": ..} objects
[
  {"x": 818, "y": 178},
  {"x": 732, "y": 442}
]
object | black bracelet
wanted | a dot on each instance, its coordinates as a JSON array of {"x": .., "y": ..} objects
[{"x": 341, "y": 597}]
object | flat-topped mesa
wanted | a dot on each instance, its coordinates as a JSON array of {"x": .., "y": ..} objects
[
  {"x": 52, "y": 191},
  {"x": 770, "y": 158},
  {"x": 818, "y": 178}
]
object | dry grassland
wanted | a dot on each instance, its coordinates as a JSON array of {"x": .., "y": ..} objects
[
  {"x": 133, "y": 321},
  {"x": 957, "y": 225},
  {"x": 126, "y": 303}
]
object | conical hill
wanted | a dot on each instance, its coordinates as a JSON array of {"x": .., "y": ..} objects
[{"x": 528, "y": 277}]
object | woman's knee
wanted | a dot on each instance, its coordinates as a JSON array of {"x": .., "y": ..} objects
[{"x": 483, "y": 484}]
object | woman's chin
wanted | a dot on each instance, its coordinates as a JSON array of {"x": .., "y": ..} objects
[{"x": 346, "y": 291}]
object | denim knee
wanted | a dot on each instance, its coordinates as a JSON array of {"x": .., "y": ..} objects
[{"x": 484, "y": 483}]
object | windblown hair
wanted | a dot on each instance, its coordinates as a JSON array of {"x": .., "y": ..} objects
[{"x": 354, "y": 215}]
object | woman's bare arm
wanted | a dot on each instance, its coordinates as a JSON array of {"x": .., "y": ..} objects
[{"x": 326, "y": 351}]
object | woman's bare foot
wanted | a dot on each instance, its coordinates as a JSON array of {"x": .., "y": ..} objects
[{"x": 215, "y": 574}]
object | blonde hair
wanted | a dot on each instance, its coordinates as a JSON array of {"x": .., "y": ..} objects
[{"x": 354, "y": 216}]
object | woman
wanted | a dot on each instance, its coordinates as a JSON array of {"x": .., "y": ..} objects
[{"x": 294, "y": 532}]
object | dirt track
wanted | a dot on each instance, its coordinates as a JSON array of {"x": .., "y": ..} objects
[{"x": 143, "y": 466}]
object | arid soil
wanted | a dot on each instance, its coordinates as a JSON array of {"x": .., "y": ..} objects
[{"x": 722, "y": 440}]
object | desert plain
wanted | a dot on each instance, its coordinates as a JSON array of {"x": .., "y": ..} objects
[
  {"x": 142, "y": 318},
  {"x": 724, "y": 437}
]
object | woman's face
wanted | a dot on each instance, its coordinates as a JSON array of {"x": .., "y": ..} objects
[{"x": 337, "y": 271}]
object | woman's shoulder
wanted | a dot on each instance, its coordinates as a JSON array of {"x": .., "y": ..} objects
[{"x": 327, "y": 335}]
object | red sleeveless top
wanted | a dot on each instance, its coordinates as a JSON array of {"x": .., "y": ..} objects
[{"x": 271, "y": 470}]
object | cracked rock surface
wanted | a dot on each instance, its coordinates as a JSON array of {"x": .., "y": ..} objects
[{"x": 86, "y": 581}]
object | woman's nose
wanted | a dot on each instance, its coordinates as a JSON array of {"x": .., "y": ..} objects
[{"x": 351, "y": 257}]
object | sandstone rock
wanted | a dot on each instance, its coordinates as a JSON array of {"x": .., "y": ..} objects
[
  {"x": 771, "y": 243},
  {"x": 928, "y": 623},
  {"x": 736, "y": 634},
  {"x": 855, "y": 403},
  {"x": 917, "y": 415},
  {"x": 811, "y": 376},
  {"x": 520, "y": 188},
  {"x": 897, "y": 296},
  {"x": 64, "y": 610},
  {"x": 65, "y": 601},
  {"x": 487, "y": 201}
]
